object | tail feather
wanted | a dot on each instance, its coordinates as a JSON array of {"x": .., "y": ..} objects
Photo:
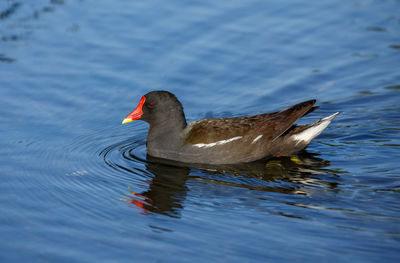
[{"x": 308, "y": 134}]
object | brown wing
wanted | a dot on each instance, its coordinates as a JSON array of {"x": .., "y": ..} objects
[
  {"x": 216, "y": 129},
  {"x": 271, "y": 125}
]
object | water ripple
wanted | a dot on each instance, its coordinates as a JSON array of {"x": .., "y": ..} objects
[
  {"x": 107, "y": 167},
  {"x": 91, "y": 169}
]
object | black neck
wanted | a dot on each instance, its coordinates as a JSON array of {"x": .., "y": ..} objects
[{"x": 165, "y": 135}]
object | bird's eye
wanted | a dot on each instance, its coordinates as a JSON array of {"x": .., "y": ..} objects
[{"x": 151, "y": 105}]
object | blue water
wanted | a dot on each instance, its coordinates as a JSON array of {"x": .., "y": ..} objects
[{"x": 76, "y": 186}]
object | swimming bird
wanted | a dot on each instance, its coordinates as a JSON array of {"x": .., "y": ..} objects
[{"x": 223, "y": 140}]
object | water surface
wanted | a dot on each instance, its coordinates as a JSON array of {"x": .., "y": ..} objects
[{"x": 76, "y": 185}]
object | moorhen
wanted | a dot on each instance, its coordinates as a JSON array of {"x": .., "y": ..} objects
[{"x": 222, "y": 140}]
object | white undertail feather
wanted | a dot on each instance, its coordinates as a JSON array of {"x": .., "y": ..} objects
[{"x": 314, "y": 130}]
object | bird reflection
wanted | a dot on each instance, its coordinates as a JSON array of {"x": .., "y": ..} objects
[
  {"x": 282, "y": 174},
  {"x": 166, "y": 191}
]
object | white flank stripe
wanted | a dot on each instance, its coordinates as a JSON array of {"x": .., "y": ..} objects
[
  {"x": 315, "y": 130},
  {"x": 257, "y": 138},
  {"x": 207, "y": 145}
]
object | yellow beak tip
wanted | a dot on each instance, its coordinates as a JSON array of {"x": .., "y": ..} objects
[{"x": 126, "y": 120}]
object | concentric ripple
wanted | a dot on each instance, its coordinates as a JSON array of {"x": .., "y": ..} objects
[
  {"x": 117, "y": 166},
  {"x": 108, "y": 167},
  {"x": 100, "y": 167}
]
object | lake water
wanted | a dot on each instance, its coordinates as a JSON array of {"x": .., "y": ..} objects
[{"x": 76, "y": 185}]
